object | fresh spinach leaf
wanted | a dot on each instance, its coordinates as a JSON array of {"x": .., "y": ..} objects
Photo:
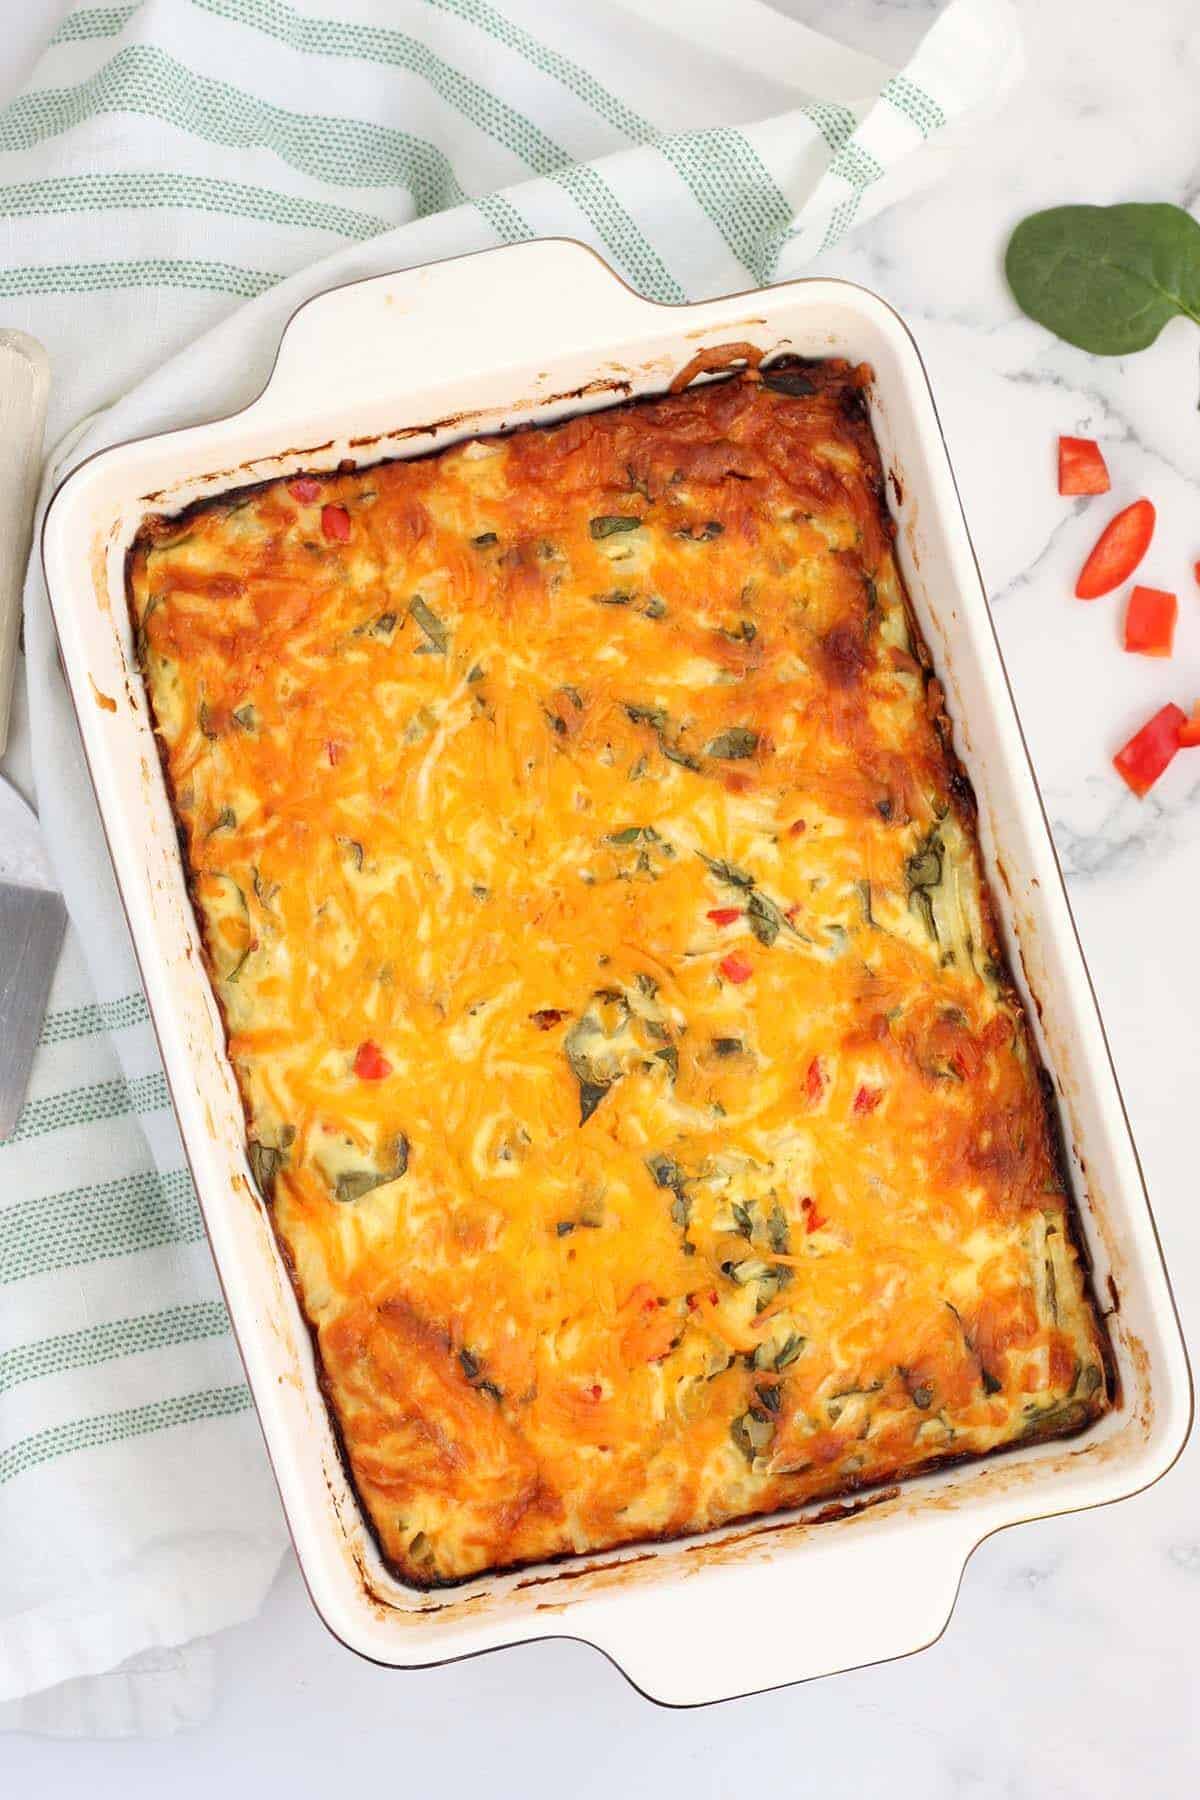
[{"x": 1107, "y": 278}]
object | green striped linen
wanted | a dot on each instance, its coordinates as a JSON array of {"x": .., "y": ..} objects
[{"x": 171, "y": 170}]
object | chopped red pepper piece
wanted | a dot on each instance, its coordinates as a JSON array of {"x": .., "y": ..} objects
[
  {"x": 1081, "y": 467},
  {"x": 370, "y": 1064},
  {"x": 1189, "y": 731},
  {"x": 1150, "y": 621},
  {"x": 814, "y": 1080},
  {"x": 735, "y": 968},
  {"x": 546, "y": 1017},
  {"x": 333, "y": 750},
  {"x": 1150, "y": 750},
  {"x": 335, "y": 523},
  {"x": 1196, "y": 570},
  {"x": 867, "y": 1099},
  {"x": 1118, "y": 551},
  {"x": 813, "y": 1220},
  {"x": 797, "y": 828},
  {"x": 725, "y": 915},
  {"x": 306, "y": 490}
]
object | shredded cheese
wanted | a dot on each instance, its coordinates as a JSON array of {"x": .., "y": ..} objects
[{"x": 596, "y": 913}]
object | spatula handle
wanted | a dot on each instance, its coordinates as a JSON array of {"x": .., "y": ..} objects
[{"x": 24, "y": 385}]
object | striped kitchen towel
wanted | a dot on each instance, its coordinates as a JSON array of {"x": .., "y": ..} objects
[{"x": 175, "y": 177}]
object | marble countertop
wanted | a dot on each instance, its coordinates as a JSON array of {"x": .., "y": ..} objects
[{"x": 1070, "y": 1666}]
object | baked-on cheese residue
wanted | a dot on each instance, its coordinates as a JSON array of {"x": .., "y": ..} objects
[{"x": 652, "y": 1129}]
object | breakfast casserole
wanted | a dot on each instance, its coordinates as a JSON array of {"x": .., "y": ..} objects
[{"x": 646, "y": 1114}]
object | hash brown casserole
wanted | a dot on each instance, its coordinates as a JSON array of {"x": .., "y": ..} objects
[{"x": 594, "y": 904}]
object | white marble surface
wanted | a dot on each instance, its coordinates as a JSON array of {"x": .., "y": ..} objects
[{"x": 1070, "y": 1667}]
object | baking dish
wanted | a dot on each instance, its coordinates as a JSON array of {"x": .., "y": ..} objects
[{"x": 400, "y": 364}]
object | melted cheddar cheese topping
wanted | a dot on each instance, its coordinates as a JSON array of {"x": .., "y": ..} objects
[{"x": 650, "y": 1125}]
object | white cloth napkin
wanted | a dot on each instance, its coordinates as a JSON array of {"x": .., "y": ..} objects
[{"x": 175, "y": 178}]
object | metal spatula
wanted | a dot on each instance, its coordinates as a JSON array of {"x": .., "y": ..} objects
[{"x": 32, "y": 915}]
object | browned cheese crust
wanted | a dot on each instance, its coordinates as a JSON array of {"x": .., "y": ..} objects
[{"x": 594, "y": 903}]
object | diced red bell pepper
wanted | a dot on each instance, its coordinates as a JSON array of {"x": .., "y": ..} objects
[
  {"x": 735, "y": 968},
  {"x": 1118, "y": 551},
  {"x": 370, "y": 1064},
  {"x": 814, "y": 1079},
  {"x": 1189, "y": 731},
  {"x": 867, "y": 1099},
  {"x": 1196, "y": 570},
  {"x": 335, "y": 523},
  {"x": 306, "y": 490},
  {"x": 725, "y": 915},
  {"x": 1081, "y": 467},
  {"x": 1150, "y": 750},
  {"x": 547, "y": 1017},
  {"x": 1150, "y": 621}
]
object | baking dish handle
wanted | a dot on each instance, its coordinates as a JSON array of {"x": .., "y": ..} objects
[
  {"x": 875, "y": 1589},
  {"x": 532, "y": 303}
]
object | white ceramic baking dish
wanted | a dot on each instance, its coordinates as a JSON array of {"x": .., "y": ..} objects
[{"x": 394, "y": 366}]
